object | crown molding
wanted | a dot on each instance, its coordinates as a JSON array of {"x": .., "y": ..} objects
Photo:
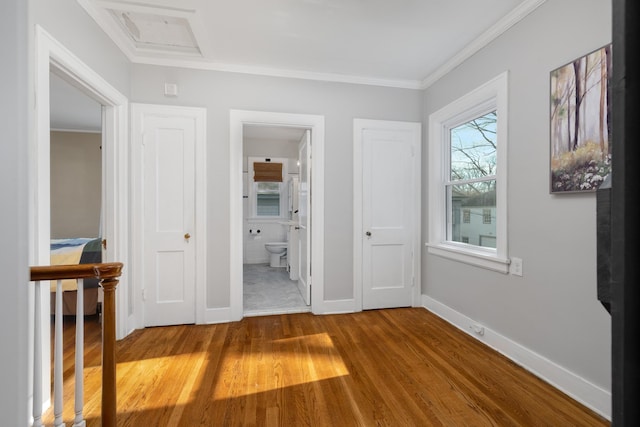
[
  {"x": 512, "y": 18},
  {"x": 279, "y": 72},
  {"x": 96, "y": 10}
]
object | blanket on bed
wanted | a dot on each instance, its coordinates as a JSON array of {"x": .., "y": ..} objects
[{"x": 75, "y": 251}]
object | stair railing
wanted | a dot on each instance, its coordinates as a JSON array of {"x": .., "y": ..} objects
[{"x": 108, "y": 274}]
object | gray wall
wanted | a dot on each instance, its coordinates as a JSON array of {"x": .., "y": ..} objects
[
  {"x": 552, "y": 309},
  {"x": 340, "y": 103},
  {"x": 68, "y": 23},
  {"x": 13, "y": 215}
]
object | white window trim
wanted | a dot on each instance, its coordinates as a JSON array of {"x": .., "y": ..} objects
[
  {"x": 491, "y": 95},
  {"x": 253, "y": 205}
]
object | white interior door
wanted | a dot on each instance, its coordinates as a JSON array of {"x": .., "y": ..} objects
[
  {"x": 304, "y": 217},
  {"x": 388, "y": 175},
  {"x": 169, "y": 219}
]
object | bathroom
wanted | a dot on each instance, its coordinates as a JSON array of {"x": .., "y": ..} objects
[{"x": 270, "y": 223}]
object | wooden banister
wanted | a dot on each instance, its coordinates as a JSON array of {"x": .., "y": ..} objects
[{"x": 108, "y": 274}]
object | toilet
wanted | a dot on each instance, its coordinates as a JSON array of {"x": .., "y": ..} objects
[{"x": 276, "y": 250}]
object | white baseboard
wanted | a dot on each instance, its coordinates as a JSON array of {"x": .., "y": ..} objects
[
  {"x": 590, "y": 395},
  {"x": 217, "y": 315},
  {"x": 337, "y": 306}
]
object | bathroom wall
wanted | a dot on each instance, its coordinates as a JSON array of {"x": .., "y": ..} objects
[{"x": 254, "y": 251}]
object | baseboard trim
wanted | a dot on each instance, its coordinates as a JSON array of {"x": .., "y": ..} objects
[
  {"x": 340, "y": 306},
  {"x": 590, "y": 395},
  {"x": 217, "y": 315}
]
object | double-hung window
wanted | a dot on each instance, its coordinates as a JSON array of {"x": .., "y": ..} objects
[
  {"x": 267, "y": 192},
  {"x": 467, "y": 178}
]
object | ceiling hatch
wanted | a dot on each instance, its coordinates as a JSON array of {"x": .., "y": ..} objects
[
  {"x": 150, "y": 31},
  {"x": 143, "y": 29}
]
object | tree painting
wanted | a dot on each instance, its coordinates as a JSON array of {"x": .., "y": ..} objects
[{"x": 581, "y": 123}]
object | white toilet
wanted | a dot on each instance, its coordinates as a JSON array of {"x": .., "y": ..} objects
[{"x": 277, "y": 250}]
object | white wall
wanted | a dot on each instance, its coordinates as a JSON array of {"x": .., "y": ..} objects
[
  {"x": 13, "y": 224},
  {"x": 552, "y": 310},
  {"x": 253, "y": 250},
  {"x": 339, "y": 103}
]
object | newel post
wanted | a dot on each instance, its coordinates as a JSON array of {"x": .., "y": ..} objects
[{"x": 108, "y": 285}]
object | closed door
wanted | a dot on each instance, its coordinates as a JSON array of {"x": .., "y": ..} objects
[
  {"x": 387, "y": 218},
  {"x": 304, "y": 217},
  {"x": 169, "y": 218}
]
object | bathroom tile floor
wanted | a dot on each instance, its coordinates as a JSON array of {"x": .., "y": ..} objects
[{"x": 268, "y": 290}]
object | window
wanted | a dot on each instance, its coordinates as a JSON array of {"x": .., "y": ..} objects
[
  {"x": 268, "y": 198},
  {"x": 486, "y": 216},
  {"x": 267, "y": 191},
  {"x": 467, "y": 154}
]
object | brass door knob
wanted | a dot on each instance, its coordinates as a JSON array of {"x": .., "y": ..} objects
[{"x": 187, "y": 236}]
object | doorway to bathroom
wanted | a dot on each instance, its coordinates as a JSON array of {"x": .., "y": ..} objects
[
  {"x": 274, "y": 192},
  {"x": 276, "y": 230}
]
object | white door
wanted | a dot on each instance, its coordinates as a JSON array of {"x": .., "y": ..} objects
[
  {"x": 169, "y": 219},
  {"x": 388, "y": 176},
  {"x": 304, "y": 217}
]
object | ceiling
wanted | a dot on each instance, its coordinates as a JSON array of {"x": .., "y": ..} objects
[
  {"x": 393, "y": 43},
  {"x": 287, "y": 134},
  {"x": 399, "y": 43},
  {"x": 72, "y": 110}
]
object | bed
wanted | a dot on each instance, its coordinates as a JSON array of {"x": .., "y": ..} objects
[{"x": 76, "y": 251}]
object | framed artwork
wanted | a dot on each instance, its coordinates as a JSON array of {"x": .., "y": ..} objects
[{"x": 580, "y": 123}]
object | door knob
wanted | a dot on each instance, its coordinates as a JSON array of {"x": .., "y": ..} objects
[
  {"x": 368, "y": 233},
  {"x": 187, "y": 236}
]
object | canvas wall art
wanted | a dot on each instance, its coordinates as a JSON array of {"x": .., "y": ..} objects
[{"x": 580, "y": 123}]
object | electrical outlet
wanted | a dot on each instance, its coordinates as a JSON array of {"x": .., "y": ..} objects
[
  {"x": 478, "y": 329},
  {"x": 516, "y": 266}
]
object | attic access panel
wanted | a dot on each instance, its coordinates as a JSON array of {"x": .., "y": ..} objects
[{"x": 150, "y": 31}]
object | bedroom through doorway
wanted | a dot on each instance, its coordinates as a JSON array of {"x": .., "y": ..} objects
[{"x": 76, "y": 195}]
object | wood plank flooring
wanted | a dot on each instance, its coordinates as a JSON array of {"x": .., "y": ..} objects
[{"x": 400, "y": 367}]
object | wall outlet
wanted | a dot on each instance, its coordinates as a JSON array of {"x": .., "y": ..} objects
[
  {"x": 478, "y": 329},
  {"x": 516, "y": 266}
]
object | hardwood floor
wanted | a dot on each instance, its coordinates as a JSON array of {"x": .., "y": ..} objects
[{"x": 400, "y": 367}]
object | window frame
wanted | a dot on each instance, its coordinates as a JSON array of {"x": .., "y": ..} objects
[
  {"x": 253, "y": 194},
  {"x": 490, "y": 96}
]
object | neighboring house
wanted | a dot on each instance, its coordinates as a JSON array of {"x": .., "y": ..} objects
[
  {"x": 551, "y": 313},
  {"x": 474, "y": 220}
]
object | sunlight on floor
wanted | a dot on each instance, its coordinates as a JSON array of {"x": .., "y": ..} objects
[
  {"x": 277, "y": 364},
  {"x": 154, "y": 369}
]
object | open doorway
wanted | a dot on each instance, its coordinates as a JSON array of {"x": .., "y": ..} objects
[
  {"x": 76, "y": 189},
  {"x": 54, "y": 57},
  {"x": 255, "y": 124},
  {"x": 276, "y": 232}
]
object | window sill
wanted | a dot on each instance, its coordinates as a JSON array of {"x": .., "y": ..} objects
[
  {"x": 262, "y": 220},
  {"x": 476, "y": 258}
]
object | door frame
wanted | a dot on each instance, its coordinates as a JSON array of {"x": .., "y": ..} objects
[
  {"x": 52, "y": 56},
  {"x": 359, "y": 125},
  {"x": 238, "y": 118},
  {"x": 198, "y": 114}
]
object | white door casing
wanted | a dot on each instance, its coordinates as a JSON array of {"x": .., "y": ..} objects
[
  {"x": 52, "y": 56},
  {"x": 304, "y": 217},
  {"x": 170, "y": 205},
  {"x": 386, "y": 213},
  {"x": 237, "y": 119}
]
